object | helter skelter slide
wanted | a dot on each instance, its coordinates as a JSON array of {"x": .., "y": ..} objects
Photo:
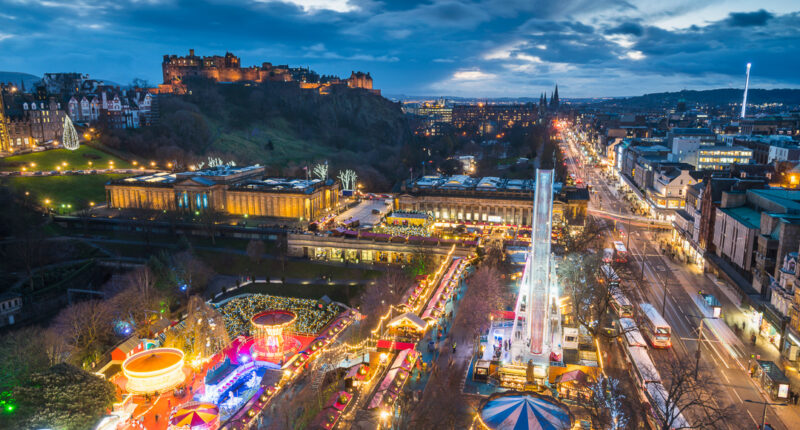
[{"x": 534, "y": 289}]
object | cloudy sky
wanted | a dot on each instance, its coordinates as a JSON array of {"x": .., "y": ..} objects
[{"x": 478, "y": 48}]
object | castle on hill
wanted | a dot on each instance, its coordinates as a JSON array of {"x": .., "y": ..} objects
[{"x": 228, "y": 68}]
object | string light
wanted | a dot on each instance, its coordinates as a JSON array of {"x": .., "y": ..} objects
[{"x": 70, "y": 136}]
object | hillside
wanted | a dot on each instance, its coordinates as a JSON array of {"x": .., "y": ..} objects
[
  {"x": 278, "y": 125},
  {"x": 18, "y": 78},
  {"x": 718, "y": 97}
]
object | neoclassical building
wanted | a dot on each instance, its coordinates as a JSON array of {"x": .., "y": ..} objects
[
  {"x": 463, "y": 199},
  {"x": 230, "y": 190}
]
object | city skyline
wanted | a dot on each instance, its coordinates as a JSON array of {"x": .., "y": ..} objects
[{"x": 452, "y": 48}]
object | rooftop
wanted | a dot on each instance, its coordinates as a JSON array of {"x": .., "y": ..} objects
[
  {"x": 463, "y": 182},
  {"x": 747, "y": 216},
  {"x": 692, "y": 131}
]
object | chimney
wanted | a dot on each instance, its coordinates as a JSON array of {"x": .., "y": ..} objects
[{"x": 191, "y": 52}]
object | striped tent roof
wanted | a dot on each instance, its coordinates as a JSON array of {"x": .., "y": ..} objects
[{"x": 524, "y": 412}]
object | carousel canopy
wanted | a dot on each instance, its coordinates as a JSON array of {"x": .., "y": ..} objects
[
  {"x": 196, "y": 415},
  {"x": 524, "y": 412}
]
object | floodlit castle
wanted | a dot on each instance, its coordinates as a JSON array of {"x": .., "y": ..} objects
[{"x": 228, "y": 68}]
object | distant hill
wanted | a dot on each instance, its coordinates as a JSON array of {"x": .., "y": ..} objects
[
  {"x": 18, "y": 78},
  {"x": 718, "y": 97}
]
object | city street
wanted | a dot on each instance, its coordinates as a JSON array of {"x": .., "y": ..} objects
[{"x": 723, "y": 353}]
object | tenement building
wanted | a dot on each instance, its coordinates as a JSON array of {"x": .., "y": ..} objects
[
  {"x": 230, "y": 190},
  {"x": 464, "y": 199}
]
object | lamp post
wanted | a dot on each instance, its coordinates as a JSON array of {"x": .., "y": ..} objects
[{"x": 764, "y": 413}]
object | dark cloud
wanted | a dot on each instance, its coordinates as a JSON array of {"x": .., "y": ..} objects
[
  {"x": 630, "y": 28},
  {"x": 749, "y": 19},
  {"x": 598, "y": 47}
]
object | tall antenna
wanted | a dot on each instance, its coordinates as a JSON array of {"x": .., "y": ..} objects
[{"x": 746, "y": 86}]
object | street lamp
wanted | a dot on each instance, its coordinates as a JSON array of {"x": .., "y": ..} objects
[{"x": 764, "y": 414}]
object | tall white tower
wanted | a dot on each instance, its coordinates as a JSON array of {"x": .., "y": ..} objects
[{"x": 746, "y": 86}]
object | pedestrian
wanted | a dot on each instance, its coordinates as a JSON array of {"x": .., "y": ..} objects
[
  {"x": 454, "y": 347},
  {"x": 156, "y": 417}
]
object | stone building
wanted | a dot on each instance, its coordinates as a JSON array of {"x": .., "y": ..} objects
[
  {"x": 30, "y": 121},
  {"x": 229, "y": 190},
  {"x": 370, "y": 251},
  {"x": 463, "y": 199}
]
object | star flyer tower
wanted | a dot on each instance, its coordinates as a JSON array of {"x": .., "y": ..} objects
[{"x": 536, "y": 333}]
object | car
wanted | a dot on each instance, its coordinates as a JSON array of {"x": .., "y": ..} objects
[{"x": 55, "y": 172}]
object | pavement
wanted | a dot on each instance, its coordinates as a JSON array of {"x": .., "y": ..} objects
[
  {"x": 363, "y": 212},
  {"x": 724, "y": 351}
]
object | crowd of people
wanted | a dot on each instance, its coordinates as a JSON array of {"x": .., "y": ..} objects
[{"x": 310, "y": 318}]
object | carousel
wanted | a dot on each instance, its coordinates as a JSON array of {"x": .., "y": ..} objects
[
  {"x": 268, "y": 339},
  {"x": 194, "y": 416},
  {"x": 154, "y": 370},
  {"x": 524, "y": 411}
]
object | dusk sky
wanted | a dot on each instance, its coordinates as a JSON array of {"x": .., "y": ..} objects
[{"x": 485, "y": 48}]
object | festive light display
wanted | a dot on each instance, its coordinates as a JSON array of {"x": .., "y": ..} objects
[
  {"x": 348, "y": 178},
  {"x": 321, "y": 171},
  {"x": 154, "y": 370},
  {"x": 268, "y": 332},
  {"x": 70, "y": 136}
]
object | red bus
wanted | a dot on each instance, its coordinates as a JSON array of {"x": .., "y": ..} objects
[{"x": 620, "y": 252}]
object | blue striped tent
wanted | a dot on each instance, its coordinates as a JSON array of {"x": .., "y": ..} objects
[{"x": 525, "y": 412}]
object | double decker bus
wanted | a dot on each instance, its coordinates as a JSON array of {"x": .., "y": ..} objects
[
  {"x": 619, "y": 302},
  {"x": 620, "y": 252},
  {"x": 655, "y": 327}
]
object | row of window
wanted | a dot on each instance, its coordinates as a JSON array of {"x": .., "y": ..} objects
[{"x": 10, "y": 304}]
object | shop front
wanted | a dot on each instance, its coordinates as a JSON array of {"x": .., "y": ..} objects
[
  {"x": 770, "y": 328},
  {"x": 791, "y": 346}
]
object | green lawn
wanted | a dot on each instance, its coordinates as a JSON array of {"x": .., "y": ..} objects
[
  {"x": 76, "y": 190},
  {"x": 76, "y": 160}
]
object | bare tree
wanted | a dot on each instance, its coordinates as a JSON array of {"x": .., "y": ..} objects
[
  {"x": 607, "y": 404},
  {"x": 589, "y": 292},
  {"x": 203, "y": 332},
  {"x": 485, "y": 293},
  {"x": 385, "y": 292},
  {"x": 690, "y": 398},
  {"x": 192, "y": 271},
  {"x": 138, "y": 299},
  {"x": 87, "y": 329},
  {"x": 442, "y": 406},
  {"x": 591, "y": 237}
]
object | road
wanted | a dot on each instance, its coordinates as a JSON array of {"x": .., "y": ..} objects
[{"x": 721, "y": 354}]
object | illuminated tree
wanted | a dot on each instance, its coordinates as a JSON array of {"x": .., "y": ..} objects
[
  {"x": 203, "y": 332},
  {"x": 70, "y": 136},
  {"x": 321, "y": 171},
  {"x": 348, "y": 178}
]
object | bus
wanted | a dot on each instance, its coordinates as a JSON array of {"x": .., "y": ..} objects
[
  {"x": 608, "y": 255},
  {"x": 620, "y": 252},
  {"x": 620, "y": 303},
  {"x": 655, "y": 327},
  {"x": 631, "y": 334}
]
